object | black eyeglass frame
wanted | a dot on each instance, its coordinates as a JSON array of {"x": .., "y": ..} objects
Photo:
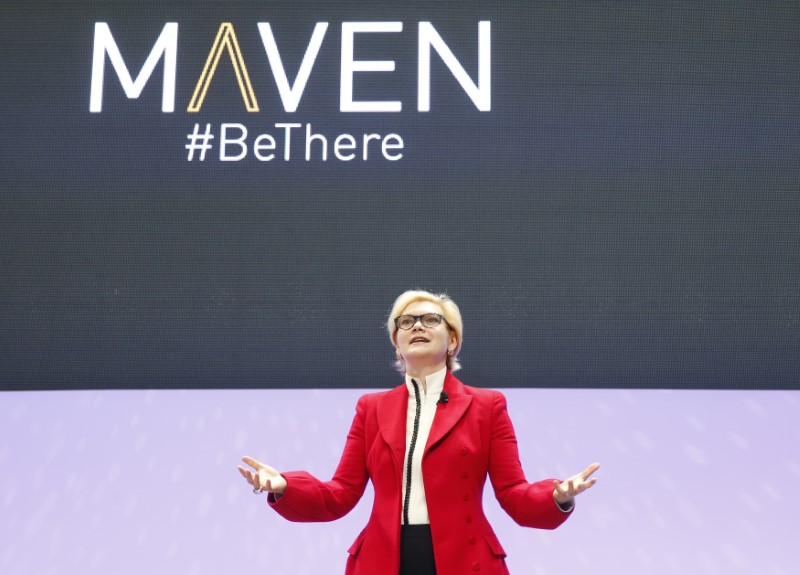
[{"x": 419, "y": 318}]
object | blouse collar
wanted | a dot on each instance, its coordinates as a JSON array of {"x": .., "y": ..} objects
[{"x": 434, "y": 382}]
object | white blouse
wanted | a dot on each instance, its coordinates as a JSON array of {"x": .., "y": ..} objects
[{"x": 417, "y": 504}]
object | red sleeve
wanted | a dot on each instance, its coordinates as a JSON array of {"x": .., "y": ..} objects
[
  {"x": 308, "y": 499},
  {"x": 529, "y": 504}
]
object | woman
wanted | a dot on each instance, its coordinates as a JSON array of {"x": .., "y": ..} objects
[{"x": 427, "y": 446}]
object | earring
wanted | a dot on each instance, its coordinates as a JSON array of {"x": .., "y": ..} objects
[{"x": 450, "y": 352}]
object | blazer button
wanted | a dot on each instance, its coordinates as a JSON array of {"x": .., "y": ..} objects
[
  {"x": 469, "y": 518},
  {"x": 464, "y": 474},
  {"x": 466, "y": 497},
  {"x": 464, "y": 451},
  {"x": 476, "y": 566},
  {"x": 471, "y": 541}
]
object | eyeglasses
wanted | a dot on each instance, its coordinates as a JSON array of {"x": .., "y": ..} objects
[{"x": 427, "y": 320}]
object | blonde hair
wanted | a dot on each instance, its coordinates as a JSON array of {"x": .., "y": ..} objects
[{"x": 450, "y": 312}]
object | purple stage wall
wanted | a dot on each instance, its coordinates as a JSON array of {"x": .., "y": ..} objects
[{"x": 132, "y": 482}]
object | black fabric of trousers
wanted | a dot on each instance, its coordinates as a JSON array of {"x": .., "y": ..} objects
[{"x": 416, "y": 550}]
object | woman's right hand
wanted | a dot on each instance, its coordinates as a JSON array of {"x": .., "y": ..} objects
[{"x": 264, "y": 478}]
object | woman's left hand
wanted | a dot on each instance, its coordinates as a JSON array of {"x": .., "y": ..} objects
[{"x": 565, "y": 491}]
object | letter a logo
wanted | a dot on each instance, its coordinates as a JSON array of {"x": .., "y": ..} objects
[{"x": 226, "y": 38}]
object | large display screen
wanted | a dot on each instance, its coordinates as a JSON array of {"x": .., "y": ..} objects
[{"x": 231, "y": 194}]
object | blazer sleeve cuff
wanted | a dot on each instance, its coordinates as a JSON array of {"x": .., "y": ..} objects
[{"x": 566, "y": 507}]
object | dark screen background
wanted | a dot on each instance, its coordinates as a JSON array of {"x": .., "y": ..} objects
[{"x": 626, "y": 215}]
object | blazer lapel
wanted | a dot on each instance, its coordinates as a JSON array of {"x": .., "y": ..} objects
[
  {"x": 448, "y": 414},
  {"x": 391, "y": 413}
]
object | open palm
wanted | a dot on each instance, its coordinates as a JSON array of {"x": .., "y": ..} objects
[{"x": 263, "y": 477}]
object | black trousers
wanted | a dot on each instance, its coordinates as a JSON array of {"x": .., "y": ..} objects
[{"x": 416, "y": 550}]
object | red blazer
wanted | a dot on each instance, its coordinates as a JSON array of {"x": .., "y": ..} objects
[{"x": 471, "y": 437}]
